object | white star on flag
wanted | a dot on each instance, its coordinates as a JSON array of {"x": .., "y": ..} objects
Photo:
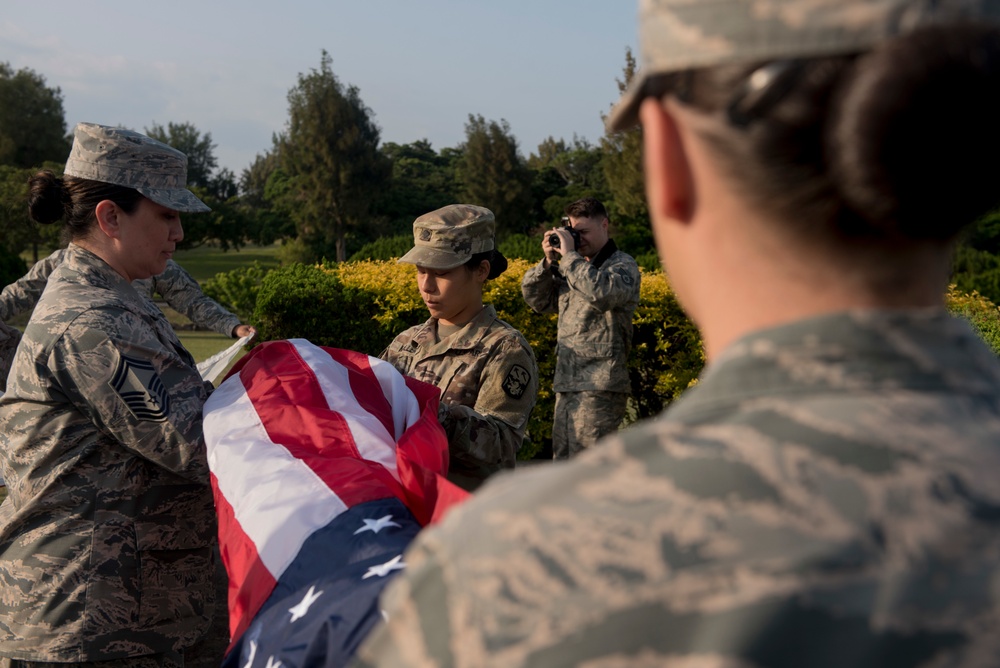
[
  {"x": 384, "y": 569},
  {"x": 253, "y": 653},
  {"x": 377, "y": 525},
  {"x": 271, "y": 663},
  {"x": 300, "y": 610}
]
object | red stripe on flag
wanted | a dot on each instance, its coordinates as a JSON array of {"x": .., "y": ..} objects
[
  {"x": 250, "y": 583},
  {"x": 295, "y": 413},
  {"x": 365, "y": 385}
]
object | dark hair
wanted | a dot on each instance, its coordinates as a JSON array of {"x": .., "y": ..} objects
[
  {"x": 588, "y": 207},
  {"x": 74, "y": 200},
  {"x": 498, "y": 263},
  {"x": 880, "y": 145}
]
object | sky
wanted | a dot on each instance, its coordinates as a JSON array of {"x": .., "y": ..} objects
[{"x": 548, "y": 67}]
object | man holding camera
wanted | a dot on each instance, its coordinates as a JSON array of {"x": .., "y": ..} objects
[{"x": 594, "y": 287}]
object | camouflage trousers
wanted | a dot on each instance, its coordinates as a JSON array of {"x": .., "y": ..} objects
[
  {"x": 581, "y": 418},
  {"x": 168, "y": 660}
]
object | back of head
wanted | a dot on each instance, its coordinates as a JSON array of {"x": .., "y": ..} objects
[{"x": 844, "y": 118}]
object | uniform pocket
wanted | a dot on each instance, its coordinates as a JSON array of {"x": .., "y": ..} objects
[
  {"x": 595, "y": 349},
  {"x": 176, "y": 586}
]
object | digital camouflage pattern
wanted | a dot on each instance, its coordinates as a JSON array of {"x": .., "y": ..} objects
[
  {"x": 826, "y": 496},
  {"x": 132, "y": 160},
  {"x": 488, "y": 379},
  {"x": 181, "y": 292},
  {"x": 595, "y": 301},
  {"x": 580, "y": 419},
  {"x": 107, "y": 532},
  {"x": 676, "y": 35},
  {"x": 450, "y": 236}
]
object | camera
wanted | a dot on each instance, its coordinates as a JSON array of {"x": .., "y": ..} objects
[{"x": 554, "y": 238}]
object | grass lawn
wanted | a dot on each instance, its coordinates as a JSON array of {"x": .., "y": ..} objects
[{"x": 205, "y": 262}]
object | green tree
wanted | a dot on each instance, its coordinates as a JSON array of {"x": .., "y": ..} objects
[
  {"x": 493, "y": 174},
  {"x": 17, "y": 231},
  {"x": 329, "y": 151},
  {"x": 622, "y": 165},
  {"x": 422, "y": 181},
  {"x": 32, "y": 120},
  {"x": 623, "y": 160}
]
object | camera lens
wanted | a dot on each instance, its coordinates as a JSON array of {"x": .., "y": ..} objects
[{"x": 554, "y": 240}]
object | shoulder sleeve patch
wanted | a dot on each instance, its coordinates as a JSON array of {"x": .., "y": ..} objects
[
  {"x": 139, "y": 386},
  {"x": 626, "y": 277},
  {"x": 516, "y": 381}
]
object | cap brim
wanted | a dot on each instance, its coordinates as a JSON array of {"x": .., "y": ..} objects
[
  {"x": 625, "y": 114},
  {"x": 432, "y": 258},
  {"x": 178, "y": 199}
]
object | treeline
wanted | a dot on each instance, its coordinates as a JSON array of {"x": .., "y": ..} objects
[{"x": 328, "y": 188}]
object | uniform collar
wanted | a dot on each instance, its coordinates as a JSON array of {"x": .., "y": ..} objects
[
  {"x": 96, "y": 272},
  {"x": 468, "y": 337},
  {"x": 602, "y": 255}
]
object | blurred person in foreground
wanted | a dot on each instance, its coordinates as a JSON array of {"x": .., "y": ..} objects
[
  {"x": 484, "y": 367},
  {"x": 827, "y": 494},
  {"x": 594, "y": 287},
  {"x": 108, "y": 547}
]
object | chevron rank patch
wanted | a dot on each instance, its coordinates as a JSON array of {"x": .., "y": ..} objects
[{"x": 139, "y": 386}]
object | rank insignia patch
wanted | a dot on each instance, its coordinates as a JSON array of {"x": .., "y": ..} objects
[
  {"x": 140, "y": 387},
  {"x": 516, "y": 382}
]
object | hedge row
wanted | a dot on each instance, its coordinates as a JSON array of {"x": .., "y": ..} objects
[{"x": 364, "y": 305}]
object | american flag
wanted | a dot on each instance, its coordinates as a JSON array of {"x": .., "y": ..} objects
[{"x": 325, "y": 464}]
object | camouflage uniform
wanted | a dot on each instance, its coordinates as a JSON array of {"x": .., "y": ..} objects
[
  {"x": 825, "y": 496},
  {"x": 595, "y": 301},
  {"x": 9, "y": 337},
  {"x": 107, "y": 533},
  {"x": 489, "y": 382},
  {"x": 175, "y": 285}
]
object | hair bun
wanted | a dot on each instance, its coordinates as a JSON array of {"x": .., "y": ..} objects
[{"x": 915, "y": 147}]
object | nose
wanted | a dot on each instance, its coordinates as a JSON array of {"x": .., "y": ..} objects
[
  {"x": 177, "y": 233},
  {"x": 427, "y": 284}
]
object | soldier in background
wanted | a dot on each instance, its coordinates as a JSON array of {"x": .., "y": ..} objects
[
  {"x": 486, "y": 370},
  {"x": 178, "y": 289},
  {"x": 108, "y": 547},
  {"x": 827, "y": 494},
  {"x": 594, "y": 287}
]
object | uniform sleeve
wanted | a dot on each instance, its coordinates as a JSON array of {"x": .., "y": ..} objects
[
  {"x": 24, "y": 293},
  {"x": 135, "y": 389},
  {"x": 612, "y": 285},
  {"x": 184, "y": 295},
  {"x": 540, "y": 289},
  {"x": 486, "y": 437},
  {"x": 9, "y": 338}
]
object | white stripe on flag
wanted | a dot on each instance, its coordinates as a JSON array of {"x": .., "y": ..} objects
[
  {"x": 277, "y": 499},
  {"x": 374, "y": 443},
  {"x": 405, "y": 407}
]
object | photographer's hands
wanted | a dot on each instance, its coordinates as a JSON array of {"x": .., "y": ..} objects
[{"x": 566, "y": 242}]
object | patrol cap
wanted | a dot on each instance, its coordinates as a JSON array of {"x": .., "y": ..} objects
[
  {"x": 677, "y": 35},
  {"x": 126, "y": 158},
  {"x": 450, "y": 236}
]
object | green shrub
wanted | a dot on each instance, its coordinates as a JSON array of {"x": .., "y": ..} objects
[
  {"x": 384, "y": 248},
  {"x": 981, "y": 313},
  {"x": 237, "y": 289}
]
